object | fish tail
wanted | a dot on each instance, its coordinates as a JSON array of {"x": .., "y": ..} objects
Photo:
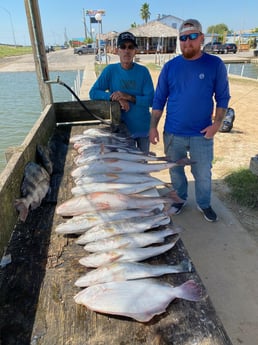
[
  {"x": 189, "y": 290},
  {"x": 185, "y": 266},
  {"x": 184, "y": 161},
  {"x": 22, "y": 208}
]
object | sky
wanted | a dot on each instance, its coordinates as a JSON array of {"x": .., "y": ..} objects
[{"x": 61, "y": 18}]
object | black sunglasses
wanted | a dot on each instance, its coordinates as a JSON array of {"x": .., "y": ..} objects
[
  {"x": 191, "y": 37},
  {"x": 124, "y": 46}
]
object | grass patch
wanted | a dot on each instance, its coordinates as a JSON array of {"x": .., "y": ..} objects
[
  {"x": 6, "y": 51},
  {"x": 99, "y": 68},
  {"x": 243, "y": 185},
  {"x": 153, "y": 66}
]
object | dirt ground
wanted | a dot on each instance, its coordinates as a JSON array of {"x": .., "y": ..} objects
[{"x": 233, "y": 150}]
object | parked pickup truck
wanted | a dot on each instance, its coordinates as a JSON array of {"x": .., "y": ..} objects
[
  {"x": 215, "y": 48},
  {"x": 85, "y": 49}
]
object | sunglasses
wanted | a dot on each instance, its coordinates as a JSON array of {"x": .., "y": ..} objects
[
  {"x": 191, "y": 37},
  {"x": 124, "y": 46}
]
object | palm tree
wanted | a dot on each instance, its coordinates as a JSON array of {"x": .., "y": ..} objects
[{"x": 145, "y": 12}]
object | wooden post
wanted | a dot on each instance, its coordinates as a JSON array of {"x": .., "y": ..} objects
[{"x": 39, "y": 51}]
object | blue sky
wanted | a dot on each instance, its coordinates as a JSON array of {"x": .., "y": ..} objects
[{"x": 65, "y": 16}]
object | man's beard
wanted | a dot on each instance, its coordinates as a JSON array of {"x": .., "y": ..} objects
[{"x": 189, "y": 53}]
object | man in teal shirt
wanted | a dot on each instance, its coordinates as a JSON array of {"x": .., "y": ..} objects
[{"x": 131, "y": 85}]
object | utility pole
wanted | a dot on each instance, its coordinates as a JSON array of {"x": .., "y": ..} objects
[{"x": 84, "y": 23}]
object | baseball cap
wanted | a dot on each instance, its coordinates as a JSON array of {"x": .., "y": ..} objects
[
  {"x": 190, "y": 24},
  {"x": 125, "y": 37}
]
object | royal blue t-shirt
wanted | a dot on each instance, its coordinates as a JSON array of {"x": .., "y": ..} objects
[{"x": 190, "y": 88}]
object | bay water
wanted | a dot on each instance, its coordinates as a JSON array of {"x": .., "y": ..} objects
[{"x": 20, "y": 104}]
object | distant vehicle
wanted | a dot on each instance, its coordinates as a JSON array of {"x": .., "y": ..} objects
[
  {"x": 231, "y": 47},
  {"x": 49, "y": 49},
  {"x": 85, "y": 49},
  {"x": 215, "y": 48}
]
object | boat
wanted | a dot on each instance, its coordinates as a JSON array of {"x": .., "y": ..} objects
[{"x": 39, "y": 266}]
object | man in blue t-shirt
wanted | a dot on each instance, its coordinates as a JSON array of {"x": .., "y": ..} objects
[
  {"x": 189, "y": 85},
  {"x": 131, "y": 85}
]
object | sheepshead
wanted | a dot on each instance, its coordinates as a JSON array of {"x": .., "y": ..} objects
[
  {"x": 139, "y": 299},
  {"x": 120, "y": 227},
  {"x": 34, "y": 188},
  {"x": 117, "y": 178},
  {"x": 125, "y": 254},
  {"x": 124, "y": 188},
  {"x": 121, "y": 166},
  {"x": 43, "y": 154},
  {"x": 103, "y": 201},
  {"x": 129, "y": 240},
  {"x": 86, "y": 157},
  {"x": 119, "y": 271},
  {"x": 79, "y": 224}
]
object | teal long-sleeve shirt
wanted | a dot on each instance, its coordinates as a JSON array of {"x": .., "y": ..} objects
[{"x": 135, "y": 81}]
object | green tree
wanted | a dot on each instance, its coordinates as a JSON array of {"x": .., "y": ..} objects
[
  {"x": 133, "y": 25},
  {"x": 217, "y": 29},
  {"x": 220, "y": 29},
  {"x": 145, "y": 12}
]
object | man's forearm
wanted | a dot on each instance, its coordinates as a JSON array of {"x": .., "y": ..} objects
[
  {"x": 155, "y": 117},
  {"x": 219, "y": 116}
]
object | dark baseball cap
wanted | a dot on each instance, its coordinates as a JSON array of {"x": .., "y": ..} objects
[{"x": 126, "y": 37}]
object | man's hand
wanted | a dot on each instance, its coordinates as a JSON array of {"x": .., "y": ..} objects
[
  {"x": 210, "y": 131},
  {"x": 124, "y": 104},
  {"x": 154, "y": 136}
]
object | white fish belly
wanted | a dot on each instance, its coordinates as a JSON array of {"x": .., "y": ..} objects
[{"x": 138, "y": 299}]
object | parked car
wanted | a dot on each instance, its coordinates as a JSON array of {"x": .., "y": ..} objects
[
  {"x": 215, "y": 48},
  {"x": 49, "y": 49},
  {"x": 231, "y": 47},
  {"x": 85, "y": 49}
]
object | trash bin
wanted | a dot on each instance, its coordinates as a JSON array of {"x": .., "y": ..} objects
[{"x": 256, "y": 53}]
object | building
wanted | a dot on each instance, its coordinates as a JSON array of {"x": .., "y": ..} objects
[{"x": 151, "y": 38}]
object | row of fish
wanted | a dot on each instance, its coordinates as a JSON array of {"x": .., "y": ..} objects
[{"x": 121, "y": 221}]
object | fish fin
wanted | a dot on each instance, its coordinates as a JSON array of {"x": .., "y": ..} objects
[
  {"x": 174, "y": 196},
  {"x": 186, "y": 265},
  {"x": 189, "y": 290},
  {"x": 177, "y": 229},
  {"x": 22, "y": 208},
  {"x": 116, "y": 257}
]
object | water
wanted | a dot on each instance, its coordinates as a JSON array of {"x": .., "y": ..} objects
[
  {"x": 20, "y": 104},
  {"x": 248, "y": 70}
]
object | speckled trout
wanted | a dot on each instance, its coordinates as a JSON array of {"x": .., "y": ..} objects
[
  {"x": 132, "y": 240},
  {"x": 125, "y": 254},
  {"x": 117, "y": 178},
  {"x": 119, "y": 271},
  {"x": 124, "y": 188},
  {"x": 139, "y": 299},
  {"x": 128, "y": 226},
  {"x": 86, "y": 157},
  {"x": 122, "y": 166}
]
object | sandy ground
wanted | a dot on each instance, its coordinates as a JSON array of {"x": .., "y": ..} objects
[{"x": 225, "y": 252}]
